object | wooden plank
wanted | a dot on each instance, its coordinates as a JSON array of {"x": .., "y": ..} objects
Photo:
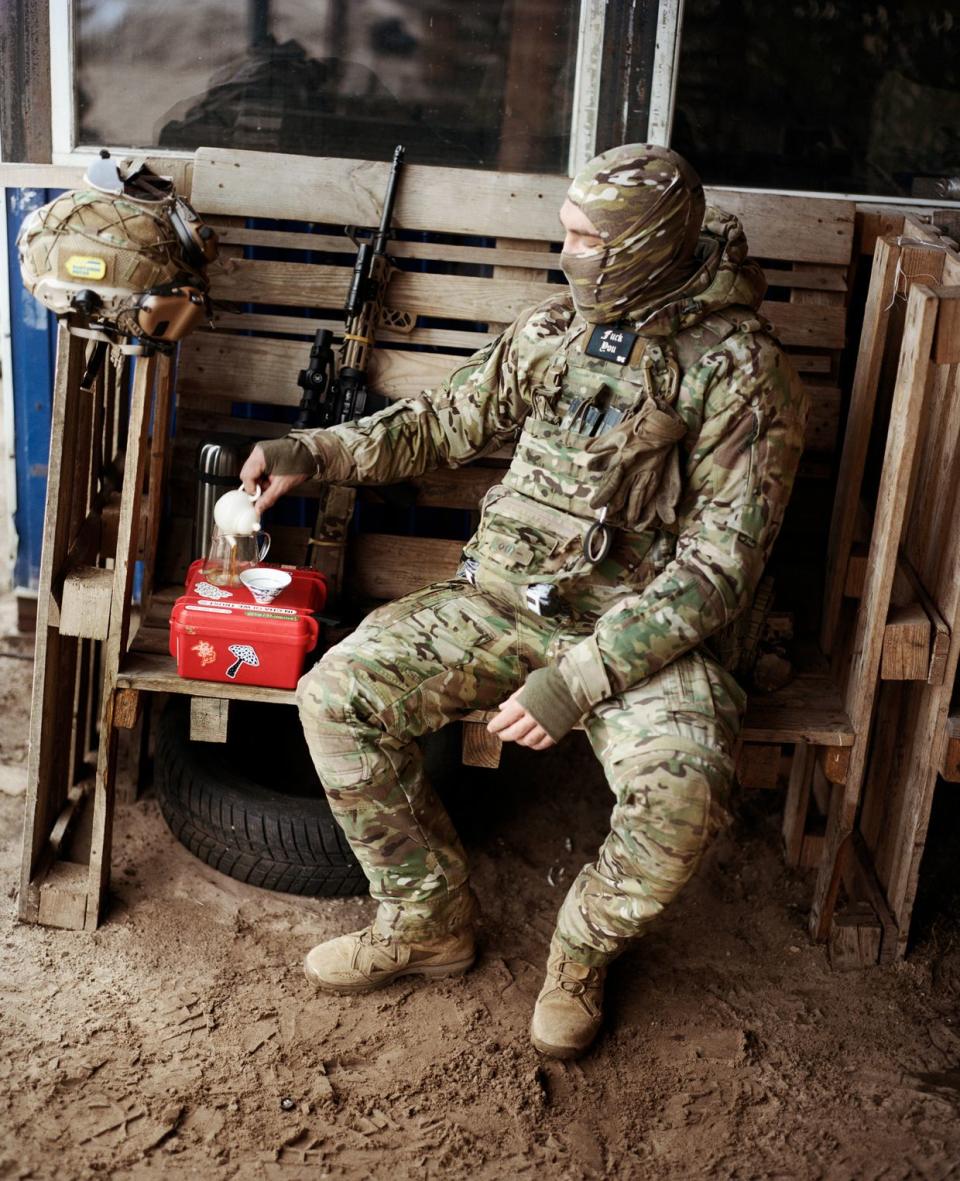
[
  {"x": 209, "y": 719},
  {"x": 808, "y": 277},
  {"x": 480, "y": 747},
  {"x": 823, "y": 421},
  {"x": 855, "y": 939},
  {"x": 115, "y": 645},
  {"x": 148, "y": 529},
  {"x": 808, "y": 709},
  {"x": 127, "y": 708},
  {"x": 797, "y": 802},
  {"x": 305, "y": 326},
  {"x": 946, "y": 340},
  {"x": 85, "y": 603},
  {"x": 504, "y": 252},
  {"x": 448, "y": 297},
  {"x": 758, "y": 765},
  {"x": 811, "y": 851},
  {"x": 63, "y": 897},
  {"x": 940, "y": 642},
  {"x": 46, "y": 791},
  {"x": 906, "y": 644},
  {"x": 863, "y": 886},
  {"x": 157, "y": 673},
  {"x": 857, "y": 436},
  {"x": 261, "y": 370},
  {"x": 471, "y": 201},
  {"x": 905, "y": 419},
  {"x": 381, "y": 566},
  {"x": 950, "y": 760},
  {"x": 834, "y": 762},
  {"x": 70, "y": 176}
]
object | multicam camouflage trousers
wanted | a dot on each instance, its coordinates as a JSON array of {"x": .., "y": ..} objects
[{"x": 666, "y": 747}]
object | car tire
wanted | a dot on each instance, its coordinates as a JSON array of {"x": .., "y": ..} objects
[{"x": 215, "y": 799}]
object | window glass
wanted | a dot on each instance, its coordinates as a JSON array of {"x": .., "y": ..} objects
[
  {"x": 822, "y": 96},
  {"x": 483, "y": 83}
]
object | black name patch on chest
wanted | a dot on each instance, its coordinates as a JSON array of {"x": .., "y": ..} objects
[{"x": 609, "y": 343}]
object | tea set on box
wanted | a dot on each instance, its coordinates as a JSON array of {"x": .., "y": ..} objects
[{"x": 240, "y": 621}]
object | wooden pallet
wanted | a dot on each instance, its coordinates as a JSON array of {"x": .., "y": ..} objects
[
  {"x": 111, "y": 433},
  {"x": 915, "y": 737}
]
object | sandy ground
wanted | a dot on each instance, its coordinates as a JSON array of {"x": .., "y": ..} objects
[{"x": 181, "y": 1040}]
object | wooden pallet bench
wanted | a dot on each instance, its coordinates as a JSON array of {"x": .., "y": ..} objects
[{"x": 286, "y": 261}]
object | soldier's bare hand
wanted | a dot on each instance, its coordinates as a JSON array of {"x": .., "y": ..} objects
[
  {"x": 253, "y": 475},
  {"x": 513, "y": 724}
]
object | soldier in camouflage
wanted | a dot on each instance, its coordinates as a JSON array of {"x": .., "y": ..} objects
[{"x": 658, "y": 427}]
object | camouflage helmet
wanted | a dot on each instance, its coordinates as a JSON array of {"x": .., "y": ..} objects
[{"x": 125, "y": 255}]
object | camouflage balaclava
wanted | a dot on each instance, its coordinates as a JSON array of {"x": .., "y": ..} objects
[{"x": 648, "y": 205}]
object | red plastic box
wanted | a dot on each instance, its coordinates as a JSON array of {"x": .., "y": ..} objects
[{"x": 222, "y": 634}]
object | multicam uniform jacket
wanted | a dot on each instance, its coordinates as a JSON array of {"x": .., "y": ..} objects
[{"x": 680, "y": 449}]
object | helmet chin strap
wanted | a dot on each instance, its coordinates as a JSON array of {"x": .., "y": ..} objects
[{"x": 120, "y": 343}]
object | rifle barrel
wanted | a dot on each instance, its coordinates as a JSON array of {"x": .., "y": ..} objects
[{"x": 383, "y": 233}]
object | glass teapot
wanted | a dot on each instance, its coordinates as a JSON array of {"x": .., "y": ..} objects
[
  {"x": 232, "y": 553},
  {"x": 238, "y": 542}
]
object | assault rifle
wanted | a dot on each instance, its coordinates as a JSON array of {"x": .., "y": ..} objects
[{"x": 338, "y": 393}]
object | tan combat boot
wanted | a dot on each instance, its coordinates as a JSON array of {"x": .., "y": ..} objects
[
  {"x": 366, "y": 960},
  {"x": 569, "y": 1009}
]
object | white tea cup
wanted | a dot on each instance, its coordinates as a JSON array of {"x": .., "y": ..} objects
[{"x": 265, "y": 584}]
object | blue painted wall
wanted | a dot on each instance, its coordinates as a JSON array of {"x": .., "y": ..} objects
[{"x": 34, "y": 345}]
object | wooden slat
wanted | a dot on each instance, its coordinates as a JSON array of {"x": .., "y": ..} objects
[
  {"x": 807, "y": 276},
  {"x": 797, "y": 802},
  {"x": 306, "y": 326},
  {"x": 950, "y": 760},
  {"x": 385, "y": 567},
  {"x": 493, "y": 255},
  {"x": 453, "y": 297},
  {"x": 85, "y": 603},
  {"x": 127, "y": 708},
  {"x": 758, "y": 765},
  {"x": 209, "y": 719},
  {"x": 807, "y": 710},
  {"x": 857, "y": 435},
  {"x": 480, "y": 747},
  {"x": 158, "y": 674},
  {"x": 115, "y": 645},
  {"x": 449, "y": 297},
  {"x": 263, "y": 370},
  {"x": 46, "y": 784},
  {"x": 823, "y": 421},
  {"x": 70, "y": 176},
  {"x": 250, "y": 184},
  {"x": 906, "y": 644}
]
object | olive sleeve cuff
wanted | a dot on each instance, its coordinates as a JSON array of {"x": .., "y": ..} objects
[
  {"x": 288, "y": 457},
  {"x": 546, "y": 698}
]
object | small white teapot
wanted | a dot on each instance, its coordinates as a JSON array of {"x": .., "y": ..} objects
[{"x": 235, "y": 513}]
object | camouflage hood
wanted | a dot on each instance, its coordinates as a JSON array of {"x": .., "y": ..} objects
[{"x": 724, "y": 278}]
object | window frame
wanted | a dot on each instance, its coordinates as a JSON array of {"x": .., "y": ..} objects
[
  {"x": 663, "y": 98},
  {"x": 583, "y": 118}
]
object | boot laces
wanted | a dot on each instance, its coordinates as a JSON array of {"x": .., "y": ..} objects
[{"x": 574, "y": 984}]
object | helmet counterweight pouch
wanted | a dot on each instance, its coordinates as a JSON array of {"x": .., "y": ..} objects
[{"x": 126, "y": 257}]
